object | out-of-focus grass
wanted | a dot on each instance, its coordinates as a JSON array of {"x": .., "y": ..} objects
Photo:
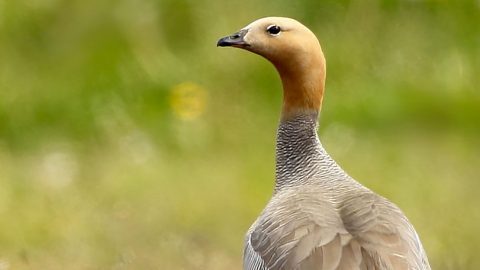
[{"x": 128, "y": 141}]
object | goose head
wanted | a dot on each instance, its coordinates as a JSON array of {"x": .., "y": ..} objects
[{"x": 295, "y": 52}]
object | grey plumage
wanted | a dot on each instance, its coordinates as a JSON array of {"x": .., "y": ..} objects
[
  {"x": 321, "y": 218},
  {"x": 318, "y": 217}
]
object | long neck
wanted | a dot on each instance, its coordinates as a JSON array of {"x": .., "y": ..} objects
[
  {"x": 303, "y": 80},
  {"x": 300, "y": 157}
]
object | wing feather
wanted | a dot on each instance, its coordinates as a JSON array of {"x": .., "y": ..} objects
[{"x": 302, "y": 230}]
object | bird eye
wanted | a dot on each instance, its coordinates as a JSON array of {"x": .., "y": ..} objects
[{"x": 273, "y": 29}]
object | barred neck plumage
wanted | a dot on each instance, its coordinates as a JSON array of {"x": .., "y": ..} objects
[{"x": 300, "y": 157}]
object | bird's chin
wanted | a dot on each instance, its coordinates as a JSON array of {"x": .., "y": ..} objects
[{"x": 244, "y": 46}]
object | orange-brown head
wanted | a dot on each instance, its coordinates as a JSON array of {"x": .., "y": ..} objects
[{"x": 295, "y": 52}]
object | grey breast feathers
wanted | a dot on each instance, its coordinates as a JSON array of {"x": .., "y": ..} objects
[{"x": 302, "y": 228}]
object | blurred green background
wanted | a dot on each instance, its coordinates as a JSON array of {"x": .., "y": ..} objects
[{"x": 129, "y": 141}]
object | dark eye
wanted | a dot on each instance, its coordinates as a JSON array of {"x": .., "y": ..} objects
[{"x": 273, "y": 29}]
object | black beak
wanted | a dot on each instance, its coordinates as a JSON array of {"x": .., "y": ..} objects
[{"x": 234, "y": 40}]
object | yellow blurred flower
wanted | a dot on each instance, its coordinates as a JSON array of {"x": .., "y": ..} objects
[{"x": 188, "y": 100}]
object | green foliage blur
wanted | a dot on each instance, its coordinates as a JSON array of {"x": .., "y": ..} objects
[{"x": 129, "y": 141}]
